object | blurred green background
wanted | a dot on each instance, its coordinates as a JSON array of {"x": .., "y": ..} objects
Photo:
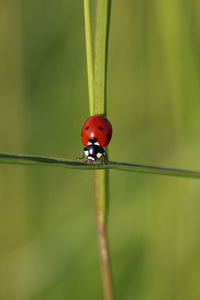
[{"x": 48, "y": 242}]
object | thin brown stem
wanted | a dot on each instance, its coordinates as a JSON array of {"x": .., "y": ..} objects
[
  {"x": 100, "y": 195},
  {"x": 105, "y": 262}
]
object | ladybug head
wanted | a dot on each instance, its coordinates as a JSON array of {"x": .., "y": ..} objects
[
  {"x": 94, "y": 152},
  {"x": 92, "y": 140}
]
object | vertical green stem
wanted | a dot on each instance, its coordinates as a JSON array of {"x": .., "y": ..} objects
[
  {"x": 89, "y": 54},
  {"x": 101, "y": 55},
  {"x": 97, "y": 78},
  {"x": 101, "y": 201},
  {"x": 101, "y": 176}
]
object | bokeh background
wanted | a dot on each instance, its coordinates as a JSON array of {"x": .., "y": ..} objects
[{"x": 48, "y": 242}]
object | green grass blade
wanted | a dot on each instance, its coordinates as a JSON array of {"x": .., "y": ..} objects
[
  {"x": 22, "y": 159},
  {"x": 101, "y": 55},
  {"x": 89, "y": 54},
  {"x": 101, "y": 177},
  {"x": 153, "y": 170}
]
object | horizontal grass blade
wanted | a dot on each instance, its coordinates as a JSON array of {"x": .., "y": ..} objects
[{"x": 21, "y": 159}]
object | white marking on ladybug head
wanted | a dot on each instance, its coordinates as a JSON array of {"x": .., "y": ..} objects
[
  {"x": 99, "y": 155},
  {"x": 96, "y": 144},
  {"x": 86, "y": 152},
  {"x": 89, "y": 143}
]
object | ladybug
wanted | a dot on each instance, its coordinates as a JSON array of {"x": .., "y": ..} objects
[{"x": 96, "y": 134}]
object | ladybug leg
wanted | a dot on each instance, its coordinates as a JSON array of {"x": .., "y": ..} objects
[
  {"x": 105, "y": 158},
  {"x": 82, "y": 156},
  {"x": 89, "y": 162}
]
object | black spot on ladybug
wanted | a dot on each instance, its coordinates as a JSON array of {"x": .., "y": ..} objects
[
  {"x": 86, "y": 128},
  {"x": 100, "y": 128},
  {"x": 108, "y": 135}
]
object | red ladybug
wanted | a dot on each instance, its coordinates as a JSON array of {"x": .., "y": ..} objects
[{"x": 96, "y": 134}]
